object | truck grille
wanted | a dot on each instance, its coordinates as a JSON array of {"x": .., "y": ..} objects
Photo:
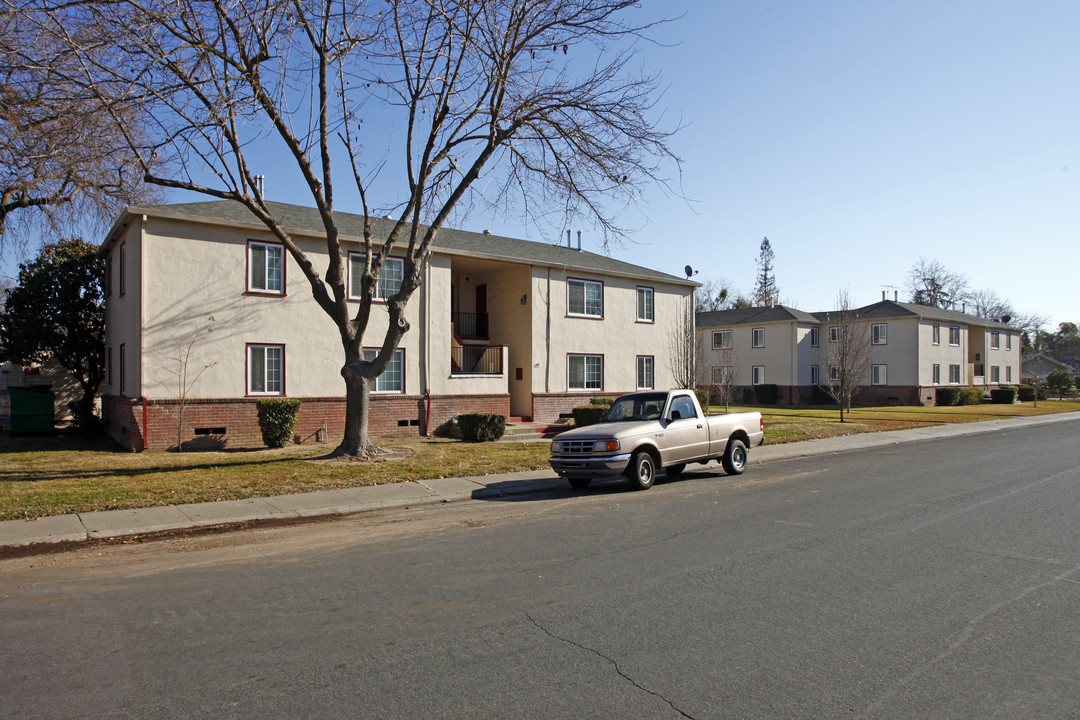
[{"x": 576, "y": 447}]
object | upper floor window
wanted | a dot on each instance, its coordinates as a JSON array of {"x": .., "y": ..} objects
[
  {"x": 759, "y": 337},
  {"x": 585, "y": 372},
  {"x": 266, "y": 268},
  {"x": 1008, "y": 341},
  {"x": 645, "y": 304},
  {"x": 108, "y": 276},
  {"x": 721, "y": 339},
  {"x": 585, "y": 297},
  {"x": 878, "y": 336},
  {"x": 995, "y": 340},
  {"x": 835, "y": 333},
  {"x": 123, "y": 268},
  {"x": 937, "y": 334},
  {"x": 814, "y": 341},
  {"x": 392, "y": 379},
  {"x": 954, "y": 336},
  {"x": 266, "y": 369},
  {"x": 645, "y": 380},
  {"x": 877, "y": 374},
  {"x": 390, "y": 277}
]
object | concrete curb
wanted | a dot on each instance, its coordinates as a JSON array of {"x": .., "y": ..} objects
[{"x": 27, "y": 536}]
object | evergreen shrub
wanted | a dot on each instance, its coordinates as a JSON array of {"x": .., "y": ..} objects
[
  {"x": 482, "y": 427},
  {"x": 277, "y": 420}
]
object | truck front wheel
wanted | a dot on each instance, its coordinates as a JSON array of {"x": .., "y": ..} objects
[
  {"x": 642, "y": 471},
  {"x": 735, "y": 457}
]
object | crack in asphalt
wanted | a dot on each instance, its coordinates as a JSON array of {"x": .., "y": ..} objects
[{"x": 610, "y": 660}]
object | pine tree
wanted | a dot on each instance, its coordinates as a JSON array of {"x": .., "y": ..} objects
[{"x": 765, "y": 291}]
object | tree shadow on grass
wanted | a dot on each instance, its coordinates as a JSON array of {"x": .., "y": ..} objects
[{"x": 76, "y": 473}]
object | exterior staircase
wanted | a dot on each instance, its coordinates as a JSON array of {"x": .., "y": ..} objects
[{"x": 522, "y": 429}]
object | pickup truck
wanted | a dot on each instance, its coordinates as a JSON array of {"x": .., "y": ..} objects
[{"x": 644, "y": 431}]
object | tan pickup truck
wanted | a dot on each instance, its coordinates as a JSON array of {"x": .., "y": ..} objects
[{"x": 656, "y": 429}]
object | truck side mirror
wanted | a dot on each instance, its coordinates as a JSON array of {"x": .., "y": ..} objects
[{"x": 676, "y": 415}]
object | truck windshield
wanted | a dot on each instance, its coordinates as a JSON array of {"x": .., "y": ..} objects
[{"x": 646, "y": 406}]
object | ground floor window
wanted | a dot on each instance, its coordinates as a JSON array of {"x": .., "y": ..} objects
[
  {"x": 954, "y": 374},
  {"x": 877, "y": 375},
  {"x": 1008, "y": 373},
  {"x": 937, "y": 374},
  {"x": 814, "y": 375},
  {"x": 392, "y": 379},
  {"x": 585, "y": 372},
  {"x": 266, "y": 369},
  {"x": 645, "y": 372},
  {"x": 759, "y": 375},
  {"x": 995, "y": 374}
]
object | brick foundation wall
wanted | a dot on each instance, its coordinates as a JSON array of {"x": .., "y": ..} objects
[
  {"x": 547, "y": 408},
  {"x": 388, "y": 416}
]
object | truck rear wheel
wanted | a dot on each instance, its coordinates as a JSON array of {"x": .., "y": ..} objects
[
  {"x": 735, "y": 456},
  {"x": 579, "y": 483},
  {"x": 642, "y": 471}
]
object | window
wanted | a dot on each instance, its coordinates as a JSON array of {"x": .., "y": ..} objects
[
  {"x": 877, "y": 331},
  {"x": 645, "y": 304},
  {"x": 108, "y": 365},
  {"x": 392, "y": 379},
  {"x": 1008, "y": 373},
  {"x": 585, "y": 297},
  {"x": 123, "y": 273},
  {"x": 1008, "y": 341},
  {"x": 815, "y": 374},
  {"x": 585, "y": 372},
  {"x": 877, "y": 375},
  {"x": 723, "y": 375},
  {"x": 937, "y": 334},
  {"x": 954, "y": 374},
  {"x": 390, "y": 275},
  {"x": 995, "y": 374},
  {"x": 937, "y": 374},
  {"x": 834, "y": 373},
  {"x": 123, "y": 367},
  {"x": 954, "y": 336},
  {"x": 721, "y": 339},
  {"x": 759, "y": 375},
  {"x": 684, "y": 406},
  {"x": 759, "y": 337},
  {"x": 835, "y": 333},
  {"x": 645, "y": 372},
  {"x": 995, "y": 340},
  {"x": 814, "y": 341},
  {"x": 266, "y": 268},
  {"x": 266, "y": 369}
]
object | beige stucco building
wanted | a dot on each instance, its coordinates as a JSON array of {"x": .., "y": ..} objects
[
  {"x": 914, "y": 350},
  {"x": 499, "y": 324}
]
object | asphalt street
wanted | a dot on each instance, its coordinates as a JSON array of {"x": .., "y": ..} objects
[{"x": 933, "y": 579}]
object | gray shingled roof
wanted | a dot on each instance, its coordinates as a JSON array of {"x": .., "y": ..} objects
[
  {"x": 878, "y": 311},
  {"x": 304, "y": 220}
]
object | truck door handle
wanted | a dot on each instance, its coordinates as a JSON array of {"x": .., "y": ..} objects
[{"x": 699, "y": 426}]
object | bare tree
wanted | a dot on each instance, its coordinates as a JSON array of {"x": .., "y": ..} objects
[
  {"x": 765, "y": 291},
  {"x": 988, "y": 304},
  {"x": 846, "y": 353},
  {"x": 929, "y": 282},
  {"x": 686, "y": 355},
  {"x": 538, "y": 98},
  {"x": 62, "y": 160},
  {"x": 714, "y": 294},
  {"x": 722, "y": 377},
  {"x": 180, "y": 364}
]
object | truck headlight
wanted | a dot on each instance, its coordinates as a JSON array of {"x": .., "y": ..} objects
[{"x": 606, "y": 446}]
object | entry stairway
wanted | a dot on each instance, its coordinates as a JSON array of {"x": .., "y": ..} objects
[{"x": 522, "y": 429}]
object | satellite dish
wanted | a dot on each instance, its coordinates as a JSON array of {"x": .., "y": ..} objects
[
  {"x": 688, "y": 270},
  {"x": 1006, "y": 318}
]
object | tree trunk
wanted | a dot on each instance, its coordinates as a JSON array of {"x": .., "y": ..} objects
[{"x": 355, "y": 443}]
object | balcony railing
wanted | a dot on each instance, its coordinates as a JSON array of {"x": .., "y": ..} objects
[
  {"x": 476, "y": 360},
  {"x": 470, "y": 325}
]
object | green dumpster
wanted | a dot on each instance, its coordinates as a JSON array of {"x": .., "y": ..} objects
[{"x": 30, "y": 411}]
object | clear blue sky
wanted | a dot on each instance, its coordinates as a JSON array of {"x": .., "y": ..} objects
[{"x": 860, "y": 136}]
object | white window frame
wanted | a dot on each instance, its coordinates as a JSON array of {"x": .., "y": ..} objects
[
  {"x": 755, "y": 341},
  {"x": 396, "y": 366},
  {"x": 585, "y": 285},
  {"x": 758, "y": 375},
  {"x": 815, "y": 337},
  {"x": 937, "y": 334},
  {"x": 995, "y": 340},
  {"x": 584, "y": 358},
  {"x": 835, "y": 333},
  {"x": 995, "y": 374},
  {"x": 1008, "y": 341},
  {"x": 725, "y": 377},
  {"x": 815, "y": 375},
  {"x": 387, "y": 284},
  {"x": 254, "y": 348},
  {"x": 954, "y": 371},
  {"x": 253, "y": 284},
  {"x": 646, "y": 296},
  {"x": 935, "y": 377},
  {"x": 834, "y": 373},
  {"x": 874, "y": 329},
  {"x": 875, "y": 378},
  {"x": 724, "y": 337},
  {"x": 1008, "y": 373},
  {"x": 646, "y": 377},
  {"x": 954, "y": 329}
]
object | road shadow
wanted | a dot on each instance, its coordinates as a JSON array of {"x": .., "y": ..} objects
[{"x": 556, "y": 488}]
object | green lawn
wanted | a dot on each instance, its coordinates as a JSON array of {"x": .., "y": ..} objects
[{"x": 57, "y": 475}]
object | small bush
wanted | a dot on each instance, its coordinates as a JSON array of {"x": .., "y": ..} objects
[
  {"x": 1026, "y": 393},
  {"x": 482, "y": 427},
  {"x": 703, "y": 399},
  {"x": 970, "y": 396},
  {"x": 821, "y": 396},
  {"x": 1003, "y": 395},
  {"x": 766, "y": 394},
  {"x": 277, "y": 420},
  {"x": 589, "y": 415},
  {"x": 602, "y": 401},
  {"x": 948, "y": 396}
]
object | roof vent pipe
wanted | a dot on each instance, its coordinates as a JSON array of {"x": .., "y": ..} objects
[
  {"x": 896, "y": 295},
  {"x": 882, "y": 296},
  {"x": 568, "y": 239},
  {"x": 579, "y": 240}
]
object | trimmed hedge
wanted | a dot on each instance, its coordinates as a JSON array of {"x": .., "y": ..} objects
[
  {"x": 766, "y": 394},
  {"x": 589, "y": 415},
  {"x": 946, "y": 396},
  {"x": 277, "y": 420},
  {"x": 1026, "y": 393},
  {"x": 821, "y": 396},
  {"x": 482, "y": 427},
  {"x": 970, "y": 396},
  {"x": 703, "y": 399},
  {"x": 1003, "y": 396}
]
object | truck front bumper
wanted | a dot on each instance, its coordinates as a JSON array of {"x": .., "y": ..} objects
[{"x": 590, "y": 467}]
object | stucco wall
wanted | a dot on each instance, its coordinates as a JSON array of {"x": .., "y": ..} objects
[{"x": 123, "y": 314}]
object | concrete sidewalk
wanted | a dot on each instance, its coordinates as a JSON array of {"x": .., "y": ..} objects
[{"x": 17, "y": 536}]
